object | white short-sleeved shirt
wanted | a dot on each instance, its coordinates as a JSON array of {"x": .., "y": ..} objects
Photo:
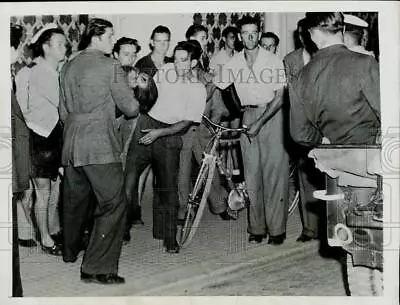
[
  {"x": 39, "y": 101},
  {"x": 177, "y": 100},
  {"x": 220, "y": 59},
  {"x": 257, "y": 85}
]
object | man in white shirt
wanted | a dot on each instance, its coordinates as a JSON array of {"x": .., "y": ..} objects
[
  {"x": 230, "y": 39},
  {"x": 157, "y": 141},
  {"x": 259, "y": 79}
]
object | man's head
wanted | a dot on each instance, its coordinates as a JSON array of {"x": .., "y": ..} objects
[
  {"x": 98, "y": 35},
  {"x": 199, "y": 33},
  {"x": 160, "y": 39},
  {"x": 249, "y": 28},
  {"x": 51, "y": 43},
  {"x": 304, "y": 36},
  {"x": 230, "y": 37},
  {"x": 325, "y": 28},
  {"x": 125, "y": 50},
  {"x": 16, "y": 33},
  {"x": 186, "y": 56},
  {"x": 354, "y": 30},
  {"x": 269, "y": 41}
]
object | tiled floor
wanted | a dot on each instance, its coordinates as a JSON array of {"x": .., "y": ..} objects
[{"x": 219, "y": 248}]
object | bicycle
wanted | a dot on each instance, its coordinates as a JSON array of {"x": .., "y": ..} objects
[{"x": 199, "y": 195}]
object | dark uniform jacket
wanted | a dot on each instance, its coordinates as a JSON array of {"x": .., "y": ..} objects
[
  {"x": 20, "y": 148},
  {"x": 91, "y": 86},
  {"x": 336, "y": 95}
]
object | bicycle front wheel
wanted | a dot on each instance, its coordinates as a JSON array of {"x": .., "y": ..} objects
[{"x": 197, "y": 203}]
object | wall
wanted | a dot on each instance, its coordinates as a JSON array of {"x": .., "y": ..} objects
[{"x": 283, "y": 25}]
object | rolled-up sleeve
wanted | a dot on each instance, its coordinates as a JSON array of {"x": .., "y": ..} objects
[
  {"x": 302, "y": 129},
  {"x": 121, "y": 93}
]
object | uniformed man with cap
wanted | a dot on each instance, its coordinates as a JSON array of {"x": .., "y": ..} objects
[{"x": 355, "y": 28}]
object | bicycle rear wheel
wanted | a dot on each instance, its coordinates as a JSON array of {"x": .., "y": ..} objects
[{"x": 197, "y": 203}]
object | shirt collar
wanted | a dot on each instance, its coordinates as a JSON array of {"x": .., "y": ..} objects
[{"x": 43, "y": 63}]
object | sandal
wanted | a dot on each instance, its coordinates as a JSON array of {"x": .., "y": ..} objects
[{"x": 54, "y": 250}]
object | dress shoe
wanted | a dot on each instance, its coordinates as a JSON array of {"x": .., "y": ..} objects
[
  {"x": 105, "y": 279},
  {"x": 137, "y": 222},
  {"x": 256, "y": 239},
  {"x": 54, "y": 250},
  {"x": 70, "y": 259},
  {"x": 277, "y": 239},
  {"x": 27, "y": 243},
  {"x": 58, "y": 238},
  {"x": 304, "y": 238},
  {"x": 172, "y": 249}
]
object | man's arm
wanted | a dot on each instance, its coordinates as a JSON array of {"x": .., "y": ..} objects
[
  {"x": 123, "y": 95},
  {"x": 370, "y": 86},
  {"x": 154, "y": 134},
  {"x": 270, "y": 110},
  {"x": 301, "y": 128}
]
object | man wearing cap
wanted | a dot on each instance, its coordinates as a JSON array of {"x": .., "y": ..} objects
[
  {"x": 91, "y": 86},
  {"x": 336, "y": 95},
  {"x": 354, "y": 33}
]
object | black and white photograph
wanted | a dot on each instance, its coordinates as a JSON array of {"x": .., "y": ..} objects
[{"x": 217, "y": 151}]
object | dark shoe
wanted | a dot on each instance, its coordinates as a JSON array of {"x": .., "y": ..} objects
[
  {"x": 304, "y": 238},
  {"x": 173, "y": 250},
  {"x": 127, "y": 237},
  {"x": 277, "y": 239},
  {"x": 225, "y": 215},
  {"x": 71, "y": 259},
  {"x": 256, "y": 239},
  {"x": 27, "y": 243},
  {"x": 102, "y": 278},
  {"x": 58, "y": 238},
  {"x": 55, "y": 250}
]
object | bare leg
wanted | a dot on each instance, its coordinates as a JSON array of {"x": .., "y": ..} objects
[
  {"x": 53, "y": 214},
  {"x": 26, "y": 230},
  {"x": 42, "y": 189}
]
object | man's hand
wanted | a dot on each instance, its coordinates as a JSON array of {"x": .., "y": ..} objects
[
  {"x": 151, "y": 136},
  {"x": 254, "y": 129}
]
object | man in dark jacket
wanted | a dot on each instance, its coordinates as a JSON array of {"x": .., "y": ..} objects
[
  {"x": 91, "y": 86},
  {"x": 336, "y": 95},
  {"x": 309, "y": 178}
]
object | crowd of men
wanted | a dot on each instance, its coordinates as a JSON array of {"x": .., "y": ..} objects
[{"x": 102, "y": 119}]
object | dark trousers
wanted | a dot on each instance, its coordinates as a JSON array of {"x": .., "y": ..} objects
[
  {"x": 106, "y": 182},
  {"x": 16, "y": 275},
  {"x": 310, "y": 180},
  {"x": 163, "y": 156}
]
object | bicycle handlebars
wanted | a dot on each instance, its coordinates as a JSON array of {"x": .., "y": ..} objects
[{"x": 243, "y": 130}]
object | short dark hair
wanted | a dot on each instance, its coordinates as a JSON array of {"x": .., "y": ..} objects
[
  {"x": 126, "y": 40},
  {"x": 331, "y": 22},
  {"x": 355, "y": 32},
  {"x": 248, "y": 20},
  {"x": 193, "y": 48},
  {"x": 194, "y": 29},
  {"x": 270, "y": 35},
  {"x": 44, "y": 38},
  {"x": 16, "y": 32},
  {"x": 95, "y": 27},
  {"x": 160, "y": 29},
  {"x": 230, "y": 29}
]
